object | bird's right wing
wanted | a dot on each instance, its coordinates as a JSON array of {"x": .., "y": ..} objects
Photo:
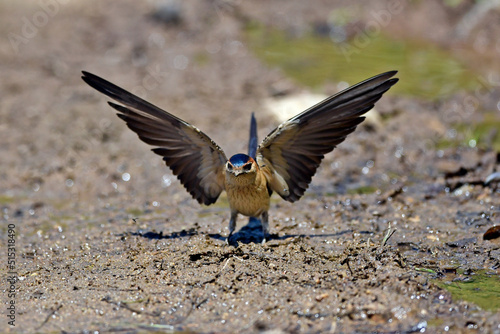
[{"x": 197, "y": 161}]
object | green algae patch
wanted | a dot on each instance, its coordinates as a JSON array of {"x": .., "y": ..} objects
[
  {"x": 135, "y": 212},
  {"x": 483, "y": 134},
  {"x": 6, "y": 199},
  {"x": 480, "y": 288},
  {"x": 363, "y": 190},
  {"x": 425, "y": 70}
]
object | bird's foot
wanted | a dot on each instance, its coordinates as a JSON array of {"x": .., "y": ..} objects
[{"x": 229, "y": 239}]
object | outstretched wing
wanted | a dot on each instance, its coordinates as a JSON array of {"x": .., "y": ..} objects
[
  {"x": 292, "y": 152},
  {"x": 197, "y": 161}
]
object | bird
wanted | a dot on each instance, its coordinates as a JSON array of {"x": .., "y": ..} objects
[{"x": 284, "y": 162}]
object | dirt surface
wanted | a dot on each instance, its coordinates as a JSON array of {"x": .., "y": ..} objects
[{"x": 108, "y": 241}]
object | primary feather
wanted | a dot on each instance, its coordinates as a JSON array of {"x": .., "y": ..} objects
[
  {"x": 197, "y": 161},
  {"x": 293, "y": 151}
]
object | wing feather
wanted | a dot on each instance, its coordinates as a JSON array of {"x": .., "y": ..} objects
[
  {"x": 191, "y": 155},
  {"x": 293, "y": 151}
]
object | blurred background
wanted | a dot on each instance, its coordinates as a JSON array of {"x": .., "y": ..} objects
[
  {"x": 107, "y": 237},
  {"x": 212, "y": 63}
]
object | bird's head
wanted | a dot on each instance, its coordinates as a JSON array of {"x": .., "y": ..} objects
[{"x": 241, "y": 164}]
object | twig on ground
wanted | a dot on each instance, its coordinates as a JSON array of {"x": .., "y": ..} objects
[
  {"x": 388, "y": 235},
  {"x": 49, "y": 316}
]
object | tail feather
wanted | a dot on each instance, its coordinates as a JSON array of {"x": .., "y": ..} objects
[
  {"x": 252, "y": 147},
  {"x": 252, "y": 142}
]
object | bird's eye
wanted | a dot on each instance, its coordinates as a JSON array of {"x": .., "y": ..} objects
[
  {"x": 229, "y": 166},
  {"x": 247, "y": 167}
]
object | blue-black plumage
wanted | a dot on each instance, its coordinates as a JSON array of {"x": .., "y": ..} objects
[{"x": 238, "y": 160}]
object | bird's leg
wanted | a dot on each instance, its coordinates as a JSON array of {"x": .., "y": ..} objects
[
  {"x": 232, "y": 225},
  {"x": 264, "y": 219}
]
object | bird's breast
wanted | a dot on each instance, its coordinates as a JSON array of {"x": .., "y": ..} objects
[{"x": 249, "y": 199}]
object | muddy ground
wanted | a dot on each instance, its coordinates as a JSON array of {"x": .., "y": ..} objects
[{"x": 108, "y": 241}]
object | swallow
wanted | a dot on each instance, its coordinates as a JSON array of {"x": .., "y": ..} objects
[{"x": 284, "y": 162}]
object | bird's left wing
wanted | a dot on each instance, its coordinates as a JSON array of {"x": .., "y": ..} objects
[
  {"x": 197, "y": 161},
  {"x": 291, "y": 153}
]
